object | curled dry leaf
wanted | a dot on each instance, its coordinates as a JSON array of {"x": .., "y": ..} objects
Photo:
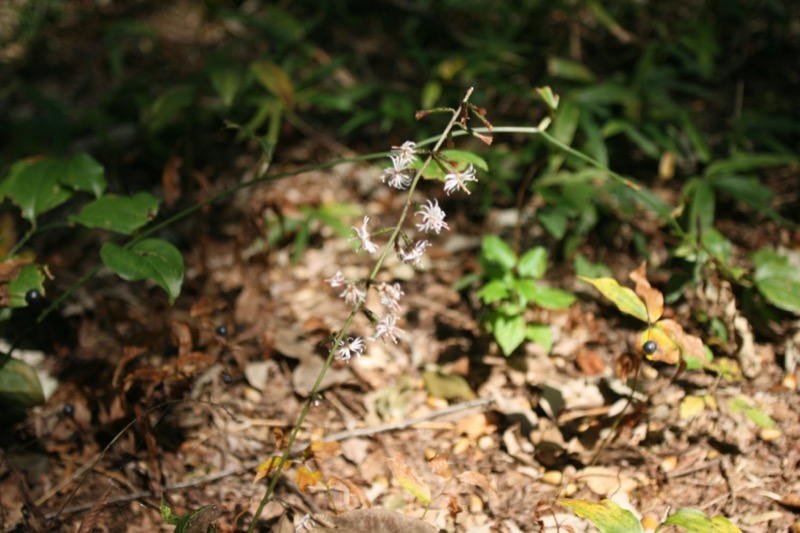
[
  {"x": 653, "y": 299},
  {"x": 370, "y": 521}
]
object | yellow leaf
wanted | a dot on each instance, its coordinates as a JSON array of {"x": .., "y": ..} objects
[
  {"x": 306, "y": 478},
  {"x": 692, "y": 406},
  {"x": 409, "y": 480},
  {"x": 623, "y": 297},
  {"x": 269, "y": 466}
]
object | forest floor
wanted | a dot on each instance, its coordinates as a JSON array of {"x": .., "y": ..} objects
[{"x": 187, "y": 400}]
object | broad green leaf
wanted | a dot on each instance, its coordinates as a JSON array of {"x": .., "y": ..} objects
[
  {"x": 152, "y": 259},
  {"x": 19, "y": 386},
  {"x": 554, "y": 218},
  {"x": 493, "y": 291},
  {"x": 606, "y": 515},
  {"x": 777, "y": 280},
  {"x": 30, "y": 277},
  {"x": 496, "y": 250},
  {"x": 541, "y": 335},
  {"x": 121, "y": 214},
  {"x": 509, "y": 332},
  {"x": 623, "y": 297},
  {"x": 81, "y": 172},
  {"x": 274, "y": 79},
  {"x": 695, "y": 521},
  {"x": 533, "y": 263},
  {"x": 564, "y": 126},
  {"x": 525, "y": 288},
  {"x": 586, "y": 269},
  {"x": 701, "y": 210},
  {"x": 552, "y": 298},
  {"x": 34, "y": 187}
]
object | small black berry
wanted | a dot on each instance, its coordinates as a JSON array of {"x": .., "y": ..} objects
[
  {"x": 227, "y": 378},
  {"x": 222, "y": 330},
  {"x": 32, "y": 296},
  {"x": 68, "y": 410},
  {"x": 650, "y": 347}
]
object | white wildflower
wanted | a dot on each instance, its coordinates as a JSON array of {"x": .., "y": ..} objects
[
  {"x": 432, "y": 217},
  {"x": 353, "y": 346},
  {"x": 457, "y": 180},
  {"x": 406, "y": 152},
  {"x": 365, "y": 237},
  {"x": 390, "y": 296},
  {"x": 414, "y": 255},
  {"x": 337, "y": 280},
  {"x": 353, "y": 295},
  {"x": 398, "y": 174},
  {"x": 386, "y": 328}
]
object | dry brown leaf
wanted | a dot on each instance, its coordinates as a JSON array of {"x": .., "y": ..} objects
[
  {"x": 409, "y": 480},
  {"x": 653, "y": 299},
  {"x": 323, "y": 450},
  {"x": 372, "y": 521},
  {"x": 440, "y": 466},
  {"x": 306, "y": 478}
]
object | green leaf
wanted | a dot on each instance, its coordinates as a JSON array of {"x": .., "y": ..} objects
[
  {"x": 458, "y": 159},
  {"x": 226, "y": 81},
  {"x": 552, "y": 298},
  {"x": 200, "y": 521},
  {"x": 606, "y": 515},
  {"x": 554, "y": 218},
  {"x": 494, "y": 291},
  {"x": 567, "y": 69},
  {"x": 541, "y": 335},
  {"x": 509, "y": 332},
  {"x": 586, "y": 269},
  {"x": 756, "y": 415},
  {"x": 549, "y": 97},
  {"x": 121, "y": 214},
  {"x": 701, "y": 211},
  {"x": 19, "y": 386},
  {"x": 695, "y": 521},
  {"x": 496, "y": 250},
  {"x": 30, "y": 277},
  {"x": 533, "y": 263},
  {"x": 623, "y": 297},
  {"x": 81, "y": 172},
  {"x": 275, "y": 80},
  {"x": 747, "y": 162},
  {"x": 777, "y": 280},
  {"x": 34, "y": 186},
  {"x": 152, "y": 259},
  {"x": 168, "y": 105}
]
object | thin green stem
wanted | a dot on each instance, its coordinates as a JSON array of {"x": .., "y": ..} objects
[{"x": 343, "y": 332}]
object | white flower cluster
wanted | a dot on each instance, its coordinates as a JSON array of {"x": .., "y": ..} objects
[{"x": 400, "y": 176}]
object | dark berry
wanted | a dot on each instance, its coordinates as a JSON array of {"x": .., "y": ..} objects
[
  {"x": 32, "y": 296},
  {"x": 227, "y": 378},
  {"x": 68, "y": 410},
  {"x": 650, "y": 347},
  {"x": 222, "y": 330}
]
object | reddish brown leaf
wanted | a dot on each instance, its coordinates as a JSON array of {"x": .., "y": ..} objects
[{"x": 653, "y": 299}]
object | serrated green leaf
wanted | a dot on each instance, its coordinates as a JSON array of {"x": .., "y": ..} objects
[
  {"x": 19, "y": 386},
  {"x": 121, "y": 214},
  {"x": 695, "y": 521},
  {"x": 81, "y": 172},
  {"x": 606, "y": 515},
  {"x": 624, "y": 298},
  {"x": 533, "y": 263},
  {"x": 555, "y": 299},
  {"x": 30, "y": 277},
  {"x": 777, "y": 280},
  {"x": 152, "y": 259},
  {"x": 509, "y": 332},
  {"x": 34, "y": 187},
  {"x": 496, "y": 250}
]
